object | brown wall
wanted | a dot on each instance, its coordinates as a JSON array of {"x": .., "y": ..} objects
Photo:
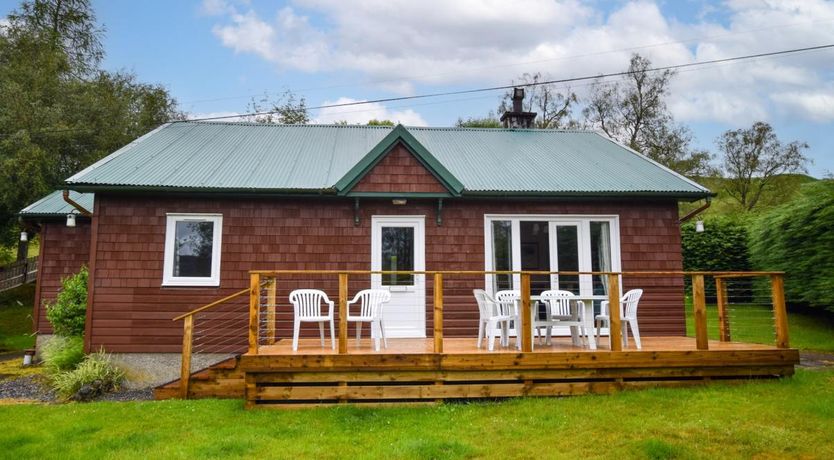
[
  {"x": 131, "y": 312},
  {"x": 399, "y": 172},
  {"x": 63, "y": 250}
]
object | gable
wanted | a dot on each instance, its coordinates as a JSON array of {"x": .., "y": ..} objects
[{"x": 399, "y": 172}]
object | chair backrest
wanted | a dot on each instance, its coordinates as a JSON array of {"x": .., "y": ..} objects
[
  {"x": 558, "y": 302},
  {"x": 484, "y": 307},
  {"x": 371, "y": 301},
  {"x": 507, "y": 301},
  {"x": 306, "y": 303},
  {"x": 630, "y": 301}
]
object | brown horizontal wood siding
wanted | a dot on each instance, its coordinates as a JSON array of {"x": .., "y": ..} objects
[
  {"x": 132, "y": 312},
  {"x": 63, "y": 250},
  {"x": 399, "y": 172}
]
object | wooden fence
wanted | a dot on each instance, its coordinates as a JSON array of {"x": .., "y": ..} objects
[{"x": 18, "y": 273}]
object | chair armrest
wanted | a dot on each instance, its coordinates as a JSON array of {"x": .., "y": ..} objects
[
  {"x": 355, "y": 299},
  {"x": 603, "y": 308}
]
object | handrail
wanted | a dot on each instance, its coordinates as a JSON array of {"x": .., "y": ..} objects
[
  {"x": 511, "y": 272},
  {"x": 213, "y": 304}
]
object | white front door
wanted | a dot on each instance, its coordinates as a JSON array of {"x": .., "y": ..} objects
[{"x": 398, "y": 244}]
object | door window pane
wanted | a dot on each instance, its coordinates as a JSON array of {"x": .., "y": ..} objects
[
  {"x": 193, "y": 243},
  {"x": 600, "y": 255},
  {"x": 535, "y": 253},
  {"x": 502, "y": 253},
  {"x": 567, "y": 250},
  {"x": 397, "y": 255}
]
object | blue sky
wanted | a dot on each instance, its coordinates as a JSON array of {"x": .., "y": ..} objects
[{"x": 215, "y": 55}]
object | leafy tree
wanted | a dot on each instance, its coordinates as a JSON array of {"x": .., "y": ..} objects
[
  {"x": 490, "y": 121},
  {"x": 375, "y": 122},
  {"x": 58, "y": 111},
  {"x": 284, "y": 109},
  {"x": 67, "y": 313},
  {"x": 554, "y": 109},
  {"x": 753, "y": 157},
  {"x": 633, "y": 111}
]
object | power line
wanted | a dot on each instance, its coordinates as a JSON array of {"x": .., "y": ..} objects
[
  {"x": 516, "y": 64},
  {"x": 527, "y": 85}
]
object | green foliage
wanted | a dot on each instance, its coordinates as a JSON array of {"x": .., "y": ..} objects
[
  {"x": 284, "y": 109},
  {"x": 95, "y": 369},
  {"x": 490, "y": 121},
  {"x": 798, "y": 238},
  {"x": 375, "y": 122},
  {"x": 67, "y": 313},
  {"x": 16, "y": 318},
  {"x": 63, "y": 354},
  {"x": 723, "y": 246}
]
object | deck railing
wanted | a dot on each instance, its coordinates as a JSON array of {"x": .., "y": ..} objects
[
  {"x": 267, "y": 286},
  {"x": 18, "y": 273}
]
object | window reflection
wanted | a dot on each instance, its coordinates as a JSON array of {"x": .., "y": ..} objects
[
  {"x": 193, "y": 249},
  {"x": 397, "y": 255}
]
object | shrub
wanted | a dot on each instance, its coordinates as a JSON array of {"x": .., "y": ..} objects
[
  {"x": 96, "y": 371},
  {"x": 798, "y": 238},
  {"x": 723, "y": 246},
  {"x": 61, "y": 354},
  {"x": 68, "y": 313}
]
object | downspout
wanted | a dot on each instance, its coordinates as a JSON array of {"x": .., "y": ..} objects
[
  {"x": 696, "y": 211},
  {"x": 81, "y": 210}
]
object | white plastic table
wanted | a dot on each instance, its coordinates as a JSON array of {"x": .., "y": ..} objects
[{"x": 588, "y": 301}]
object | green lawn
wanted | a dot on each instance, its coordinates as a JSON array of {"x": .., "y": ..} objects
[
  {"x": 793, "y": 417},
  {"x": 16, "y": 318},
  {"x": 754, "y": 324}
]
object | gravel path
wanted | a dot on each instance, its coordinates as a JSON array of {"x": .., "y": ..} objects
[
  {"x": 815, "y": 360},
  {"x": 29, "y": 387}
]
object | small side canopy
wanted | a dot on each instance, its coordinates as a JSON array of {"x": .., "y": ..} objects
[{"x": 53, "y": 205}]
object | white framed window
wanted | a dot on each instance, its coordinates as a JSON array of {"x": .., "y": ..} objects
[
  {"x": 572, "y": 243},
  {"x": 192, "y": 249}
]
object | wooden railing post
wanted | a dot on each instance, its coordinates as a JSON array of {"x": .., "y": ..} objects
[
  {"x": 271, "y": 289},
  {"x": 254, "y": 312},
  {"x": 699, "y": 306},
  {"x": 721, "y": 301},
  {"x": 438, "y": 313},
  {"x": 526, "y": 315},
  {"x": 343, "y": 325},
  {"x": 615, "y": 331},
  {"x": 185, "y": 368},
  {"x": 780, "y": 314}
]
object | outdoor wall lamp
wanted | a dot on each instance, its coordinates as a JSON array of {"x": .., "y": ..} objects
[
  {"x": 24, "y": 237},
  {"x": 399, "y": 202},
  {"x": 699, "y": 226},
  {"x": 70, "y": 220}
]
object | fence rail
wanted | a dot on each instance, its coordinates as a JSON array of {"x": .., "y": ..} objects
[
  {"x": 18, "y": 273},
  {"x": 228, "y": 321}
]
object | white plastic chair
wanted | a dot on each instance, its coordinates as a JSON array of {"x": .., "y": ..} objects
[
  {"x": 629, "y": 317},
  {"x": 306, "y": 304},
  {"x": 494, "y": 314},
  {"x": 561, "y": 313},
  {"x": 370, "y": 311},
  {"x": 511, "y": 300}
]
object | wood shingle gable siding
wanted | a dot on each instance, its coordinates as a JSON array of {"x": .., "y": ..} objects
[
  {"x": 399, "y": 172},
  {"x": 131, "y": 311}
]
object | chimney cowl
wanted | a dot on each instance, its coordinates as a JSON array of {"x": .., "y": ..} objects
[{"x": 518, "y": 118}]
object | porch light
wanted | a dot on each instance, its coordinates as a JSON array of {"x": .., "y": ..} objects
[
  {"x": 399, "y": 202},
  {"x": 70, "y": 220},
  {"x": 24, "y": 237},
  {"x": 699, "y": 226}
]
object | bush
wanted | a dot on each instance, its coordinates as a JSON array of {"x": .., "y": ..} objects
[
  {"x": 798, "y": 238},
  {"x": 723, "y": 246},
  {"x": 61, "y": 354},
  {"x": 95, "y": 375},
  {"x": 68, "y": 313}
]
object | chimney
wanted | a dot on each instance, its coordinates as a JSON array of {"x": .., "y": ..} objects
[{"x": 518, "y": 118}]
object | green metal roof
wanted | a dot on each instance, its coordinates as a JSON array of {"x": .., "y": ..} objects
[
  {"x": 251, "y": 157},
  {"x": 53, "y": 205}
]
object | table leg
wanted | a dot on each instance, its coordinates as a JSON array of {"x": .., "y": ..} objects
[{"x": 589, "y": 324}]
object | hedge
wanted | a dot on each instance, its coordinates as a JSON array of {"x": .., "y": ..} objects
[{"x": 723, "y": 246}]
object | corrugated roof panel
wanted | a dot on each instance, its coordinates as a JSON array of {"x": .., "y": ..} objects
[
  {"x": 251, "y": 156},
  {"x": 54, "y": 204}
]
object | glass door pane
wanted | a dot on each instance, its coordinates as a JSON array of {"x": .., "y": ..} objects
[
  {"x": 397, "y": 255},
  {"x": 567, "y": 257},
  {"x": 535, "y": 253},
  {"x": 502, "y": 253}
]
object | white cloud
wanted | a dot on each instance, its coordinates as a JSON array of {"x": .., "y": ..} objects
[
  {"x": 361, "y": 114},
  {"x": 817, "y": 106},
  {"x": 395, "y": 44}
]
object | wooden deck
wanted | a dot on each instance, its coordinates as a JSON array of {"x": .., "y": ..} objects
[{"x": 410, "y": 372}]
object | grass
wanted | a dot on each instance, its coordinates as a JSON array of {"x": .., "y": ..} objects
[
  {"x": 16, "y": 318},
  {"x": 753, "y": 323},
  {"x": 771, "y": 419}
]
